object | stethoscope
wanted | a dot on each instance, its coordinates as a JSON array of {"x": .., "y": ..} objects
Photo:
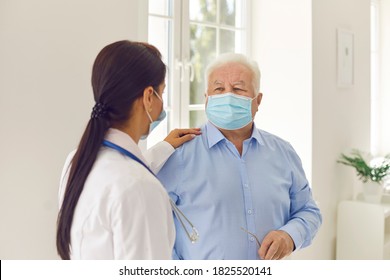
[{"x": 194, "y": 235}]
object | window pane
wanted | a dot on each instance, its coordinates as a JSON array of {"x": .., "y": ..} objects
[
  {"x": 197, "y": 118},
  {"x": 203, "y": 50},
  {"x": 159, "y": 36},
  {"x": 160, "y": 7},
  {"x": 203, "y": 10},
  {"x": 227, "y": 43},
  {"x": 228, "y": 12}
]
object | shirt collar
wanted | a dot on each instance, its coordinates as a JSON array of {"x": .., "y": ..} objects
[
  {"x": 257, "y": 135},
  {"x": 125, "y": 141},
  {"x": 214, "y": 136}
]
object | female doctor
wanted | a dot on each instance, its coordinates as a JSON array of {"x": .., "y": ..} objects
[{"x": 111, "y": 204}]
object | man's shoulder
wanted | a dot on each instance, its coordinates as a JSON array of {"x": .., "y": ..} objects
[
  {"x": 275, "y": 143},
  {"x": 269, "y": 137},
  {"x": 195, "y": 143}
]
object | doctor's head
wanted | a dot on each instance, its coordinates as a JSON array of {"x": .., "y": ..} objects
[
  {"x": 127, "y": 79},
  {"x": 233, "y": 91}
]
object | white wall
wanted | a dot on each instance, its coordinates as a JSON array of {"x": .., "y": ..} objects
[
  {"x": 46, "y": 53},
  {"x": 295, "y": 45},
  {"x": 341, "y": 117}
]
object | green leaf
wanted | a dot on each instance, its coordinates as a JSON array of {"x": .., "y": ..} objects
[{"x": 364, "y": 171}]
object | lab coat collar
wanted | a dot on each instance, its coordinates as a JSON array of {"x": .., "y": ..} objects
[
  {"x": 125, "y": 141},
  {"x": 214, "y": 136}
]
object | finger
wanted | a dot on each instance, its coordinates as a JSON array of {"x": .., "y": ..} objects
[
  {"x": 278, "y": 255},
  {"x": 184, "y": 139},
  {"x": 272, "y": 252},
  {"x": 185, "y": 131},
  {"x": 263, "y": 249},
  {"x": 187, "y": 138},
  {"x": 266, "y": 244}
]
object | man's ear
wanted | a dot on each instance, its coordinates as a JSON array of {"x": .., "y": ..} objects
[
  {"x": 148, "y": 98},
  {"x": 259, "y": 98}
]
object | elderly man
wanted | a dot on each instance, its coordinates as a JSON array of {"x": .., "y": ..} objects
[{"x": 243, "y": 188}]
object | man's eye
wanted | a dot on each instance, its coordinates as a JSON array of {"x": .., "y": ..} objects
[
  {"x": 218, "y": 89},
  {"x": 238, "y": 89}
]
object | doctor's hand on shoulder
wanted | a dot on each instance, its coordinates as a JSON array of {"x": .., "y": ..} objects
[{"x": 178, "y": 136}]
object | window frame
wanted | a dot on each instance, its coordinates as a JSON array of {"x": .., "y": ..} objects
[{"x": 178, "y": 60}]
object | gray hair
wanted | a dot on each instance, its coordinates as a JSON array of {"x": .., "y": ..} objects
[{"x": 227, "y": 58}]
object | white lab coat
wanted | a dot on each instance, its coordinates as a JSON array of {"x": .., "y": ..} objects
[{"x": 123, "y": 211}]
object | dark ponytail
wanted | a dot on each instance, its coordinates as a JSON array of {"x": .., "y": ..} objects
[{"x": 120, "y": 74}]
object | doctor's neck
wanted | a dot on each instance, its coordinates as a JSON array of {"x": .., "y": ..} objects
[{"x": 131, "y": 129}]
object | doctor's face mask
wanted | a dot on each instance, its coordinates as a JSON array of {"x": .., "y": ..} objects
[{"x": 161, "y": 117}]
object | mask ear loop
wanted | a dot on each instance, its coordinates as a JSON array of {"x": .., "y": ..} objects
[
  {"x": 255, "y": 96},
  {"x": 194, "y": 236},
  {"x": 158, "y": 96}
]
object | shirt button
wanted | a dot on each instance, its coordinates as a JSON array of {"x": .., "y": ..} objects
[
  {"x": 252, "y": 239},
  {"x": 246, "y": 185},
  {"x": 249, "y": 212}
]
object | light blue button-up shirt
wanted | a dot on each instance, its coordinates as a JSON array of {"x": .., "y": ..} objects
[{"x": 220, "y": 191}]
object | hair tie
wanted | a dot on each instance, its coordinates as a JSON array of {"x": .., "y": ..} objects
[{"x": 99, "y": 110}]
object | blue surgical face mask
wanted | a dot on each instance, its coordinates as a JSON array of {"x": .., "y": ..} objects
[
  {"x": 154, "y": 124},
  {"x": 229, "y": 111},
  {"x": 160, "y": 118}
]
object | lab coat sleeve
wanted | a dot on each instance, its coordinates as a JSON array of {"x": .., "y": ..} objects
[
  {"x": 142, "y": 224},
  {"x": 158, "y": 155}
]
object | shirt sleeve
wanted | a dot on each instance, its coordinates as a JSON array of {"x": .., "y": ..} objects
[
  {"x": 305, "y": 216},
  {"x": 170, "y": 177},
  {"x": 170, "y": 174},
  {"x": 158, "y": 155}
]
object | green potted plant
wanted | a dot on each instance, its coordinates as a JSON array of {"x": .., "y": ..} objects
[{"x": 372, "y": 174}]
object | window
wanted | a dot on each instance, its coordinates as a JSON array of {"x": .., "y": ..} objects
[
  {"x": 379, "y": 106},
  {"x": 190, "y": 33},
  {"x": 374, "y": 76}
]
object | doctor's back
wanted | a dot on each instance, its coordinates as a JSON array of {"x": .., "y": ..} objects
[{"x": 111, "y": 204}]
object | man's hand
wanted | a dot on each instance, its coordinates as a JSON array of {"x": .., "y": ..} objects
[
  {"x": 276, "y": 245},
  {"x": 179, "y": 136}
]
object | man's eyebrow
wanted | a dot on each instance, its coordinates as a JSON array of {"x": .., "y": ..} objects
[
  {"x": 239, "y": 83},
  {"x": 217, "y": 82}
]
